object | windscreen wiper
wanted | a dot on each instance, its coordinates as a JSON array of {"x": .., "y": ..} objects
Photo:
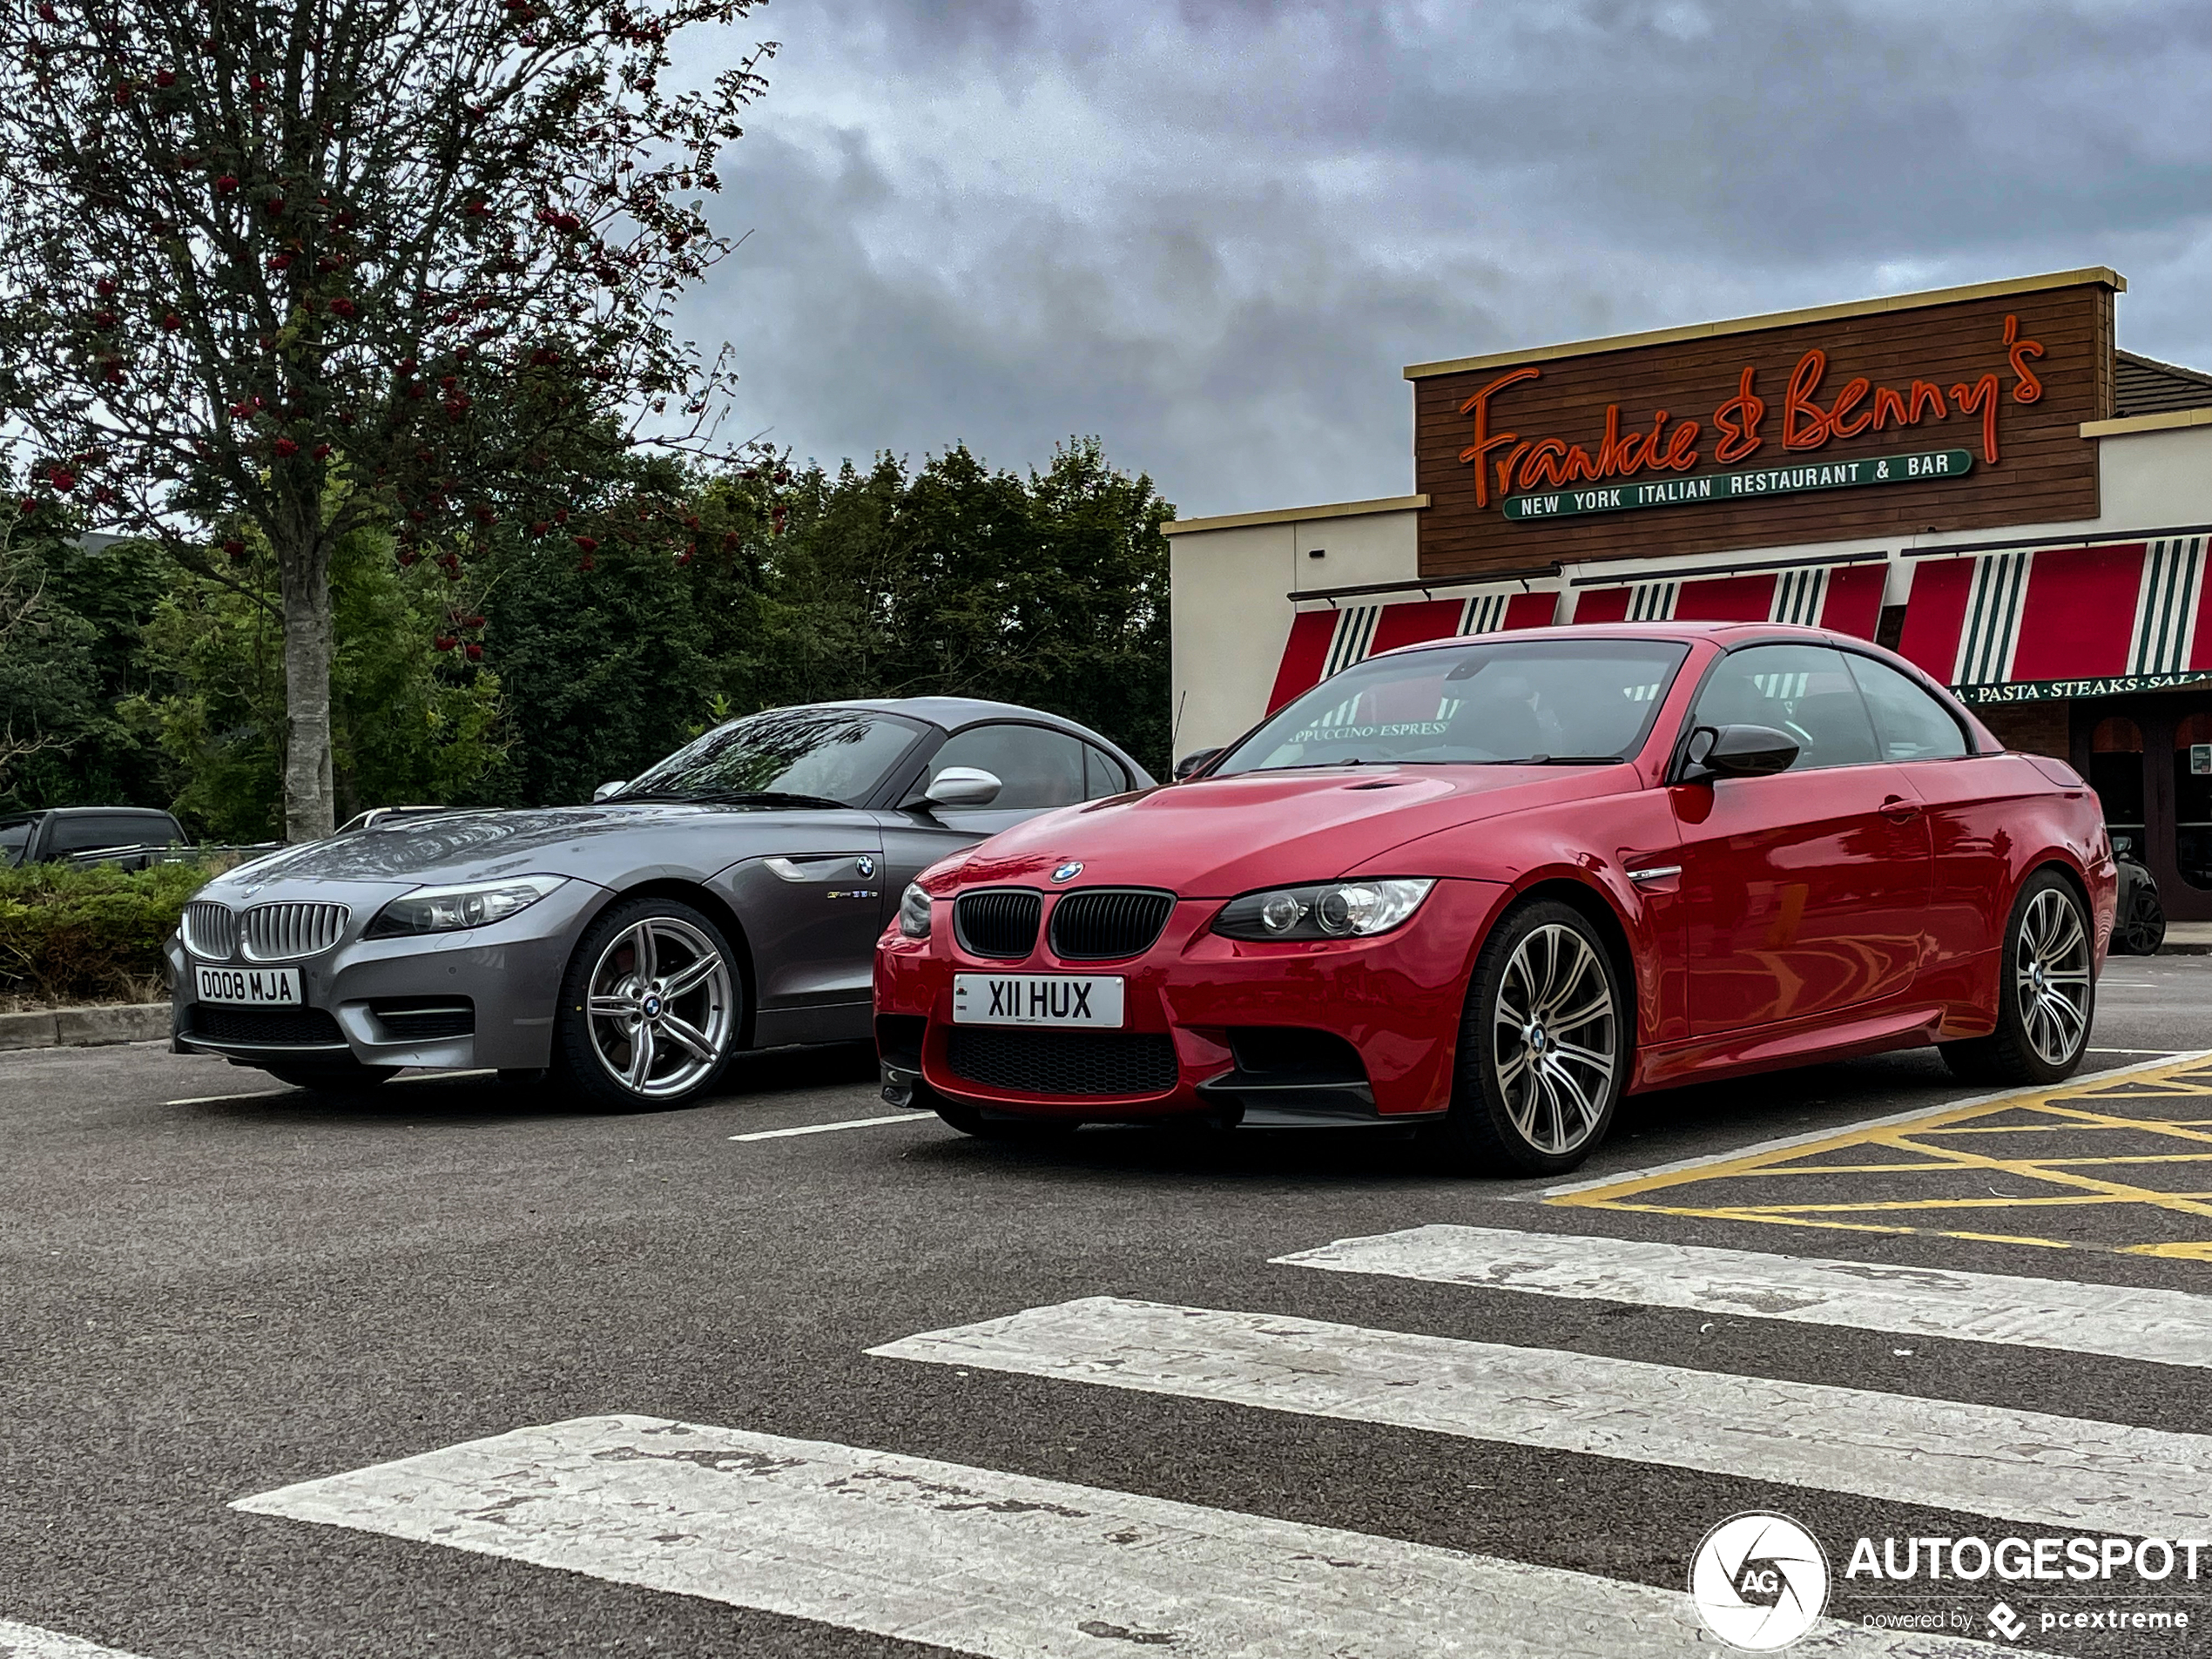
[{"x": 1566, "y": 760}]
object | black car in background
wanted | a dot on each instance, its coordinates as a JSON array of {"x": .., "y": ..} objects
[{"x": 133, "y": 836}]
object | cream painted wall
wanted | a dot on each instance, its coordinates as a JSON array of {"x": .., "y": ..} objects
[{"x": 1232, "y": 618}]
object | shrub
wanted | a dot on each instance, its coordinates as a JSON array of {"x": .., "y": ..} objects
[{"x": 79, "y": 935}]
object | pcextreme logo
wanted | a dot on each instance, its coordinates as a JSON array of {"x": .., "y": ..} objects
[{"x": 1758, "y": 1582}]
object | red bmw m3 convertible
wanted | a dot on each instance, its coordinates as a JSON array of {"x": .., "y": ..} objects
[{"x": 1490, "y": 884}]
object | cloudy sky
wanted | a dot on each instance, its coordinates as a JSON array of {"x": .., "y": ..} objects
[{"x": 1212, "y": 233}]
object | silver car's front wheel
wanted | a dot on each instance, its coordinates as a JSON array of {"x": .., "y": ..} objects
[{"x": 652, "y": 1010}]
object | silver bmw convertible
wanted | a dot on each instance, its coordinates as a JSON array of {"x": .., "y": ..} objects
[{"x": 728, "y": 900}]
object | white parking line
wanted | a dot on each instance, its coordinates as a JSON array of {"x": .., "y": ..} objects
[
  {"x": 2164, "y": 1327},
  {"x": 1002, "y": 1565},
  {"x": 823, "y": 1129},
  {"x": 264, "y": 1094},
  {"x": 28, "y": 1642},
  {"x": 2057, "y": 1472}
]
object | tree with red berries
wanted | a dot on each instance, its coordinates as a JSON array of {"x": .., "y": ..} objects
[{"x": 273, "y": 273}]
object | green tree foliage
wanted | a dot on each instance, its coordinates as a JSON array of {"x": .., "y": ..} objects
[
  {"x": 48, "y": 673},
  {"x": 411, "y": 721},
  {"x": 248, "y": 248},
  {"x": 1049, "y": 590}
]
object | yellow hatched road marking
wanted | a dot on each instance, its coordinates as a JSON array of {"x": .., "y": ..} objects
[{"x": 2072, "y": 1116}]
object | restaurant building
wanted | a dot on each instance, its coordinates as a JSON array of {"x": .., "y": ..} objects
[{"x": 1976, "y": 477}]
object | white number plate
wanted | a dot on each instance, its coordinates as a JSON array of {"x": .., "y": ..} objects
[
  {"x": 256, "y": 987},
  {"x": 1037, "y": 999}
]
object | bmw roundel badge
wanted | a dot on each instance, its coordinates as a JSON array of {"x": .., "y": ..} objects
[
  {"x": 864, "y": 867},
  {"x": 1067, "y": 872}
]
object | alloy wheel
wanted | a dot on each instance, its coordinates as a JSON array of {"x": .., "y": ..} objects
[
  {"x": 659, "y": 1005},
  {"x": 2051, "y": 976},
  {"x": 1554, "y": 1030}
]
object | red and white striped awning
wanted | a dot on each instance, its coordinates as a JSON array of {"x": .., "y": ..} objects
[
  {"x": 1324, "y": 641},
  {"x": 2065, "y": 618},
  {"x": 1846, "y": 597}
]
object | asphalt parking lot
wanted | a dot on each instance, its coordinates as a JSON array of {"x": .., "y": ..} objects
[{"x": 218, "y": 1291}]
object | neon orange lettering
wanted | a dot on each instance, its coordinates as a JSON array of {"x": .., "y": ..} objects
[
  {"x": 1889, "y": 408},
  {"x": 1981, "y": 394},
  {"x": 1504, "y": 468},
  {"x": 1478, "y": 407},
  {"x": 1854, "y": 389},
  {"x": 1739, "y": 418},
  {"x": 1544, "y": 464},
  {"x": 1797, "y": 401},
  {"x": 1682, "y": 447},
  {"x": 2029, "y": 388},
  {"x": 1930, "y": 395}
]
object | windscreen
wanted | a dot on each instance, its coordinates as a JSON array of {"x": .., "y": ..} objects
[
  {"x": 1525, "y": 702},
  {"x": 835, "y": 754}
]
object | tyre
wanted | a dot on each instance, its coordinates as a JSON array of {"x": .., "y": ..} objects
[
  {"x": 2140, "y": 927},
  {"x": 2047, "y": 992},
  {"x": 651, "y": 1006},
  {"x": 346, "y": 1077},
  {"x": 1544, "y": 1046}
]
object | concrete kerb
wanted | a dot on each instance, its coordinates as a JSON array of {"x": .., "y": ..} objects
[{"x": 83, "y": 1027}]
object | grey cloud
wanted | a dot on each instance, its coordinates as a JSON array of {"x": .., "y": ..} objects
[{"x": 1213, "y": 232}]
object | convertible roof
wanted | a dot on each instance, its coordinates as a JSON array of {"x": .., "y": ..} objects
[{"x": 956, "y": 713}]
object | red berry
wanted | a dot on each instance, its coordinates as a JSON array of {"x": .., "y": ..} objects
[
  {"x": 589, "y": 544},
  {"x": 286, "y": 446},
  {"x": 476, "y": 652},
  {"x": 321, "y": 452},
  {"x": 171, "y": 321},
  {"x": 226, "y": 184}
]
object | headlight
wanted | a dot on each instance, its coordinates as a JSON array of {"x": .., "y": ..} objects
[
  {"x": 445, "y": 910},
  {"x": 913, "y": 911},
  {"x": 1329, "y": 910}
]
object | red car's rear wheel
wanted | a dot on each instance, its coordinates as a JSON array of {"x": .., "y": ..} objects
[
  {"x": 1544, "y": 1046},
  {"x": 2047, "y": 992}
]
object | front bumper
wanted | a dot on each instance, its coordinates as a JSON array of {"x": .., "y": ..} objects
[
  {"x": 1187, "y": 1003},
  {"x": 497, "y": 985}
]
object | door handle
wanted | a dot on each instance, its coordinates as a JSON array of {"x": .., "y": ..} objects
[{"x": 1899, "y": 810}]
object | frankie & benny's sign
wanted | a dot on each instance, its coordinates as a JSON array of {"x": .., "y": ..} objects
[{"x": 1553, "y": 477}]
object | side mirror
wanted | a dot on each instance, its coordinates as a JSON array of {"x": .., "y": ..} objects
[
  {"x": 962, "y": 786},
  {"x": 1737, "y": 751},
  {"x": 608, "y": 788},
  {"x": 1193, "y": 761}
]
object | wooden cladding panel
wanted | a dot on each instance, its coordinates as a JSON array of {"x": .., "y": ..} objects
[{"x": 2046, "y": 472}]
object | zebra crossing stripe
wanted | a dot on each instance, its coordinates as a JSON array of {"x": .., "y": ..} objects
[
  {"x": 2032, "y": 1466},
  {"x": 1800, "y": 595},
  {"x": 2161, "y": 1327},
  {"x": 1007, "y": 1566},
  {"x": 2166, "y": 606},
  {"x": 28, "y": 1642},
  {"x": 1354, "y": 636},
  {"x": 1991, "y": 632}
]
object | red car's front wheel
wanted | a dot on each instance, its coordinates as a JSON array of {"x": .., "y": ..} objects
[{"x": 1544, "y": 1047}]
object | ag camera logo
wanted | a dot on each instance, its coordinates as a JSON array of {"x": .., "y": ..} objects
[{"x": 1758, "y": 1582}]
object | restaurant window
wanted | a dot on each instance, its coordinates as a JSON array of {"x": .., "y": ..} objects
[
  {"x": 2192, "y": 799},
  {"x": 2116, "y": 773}
]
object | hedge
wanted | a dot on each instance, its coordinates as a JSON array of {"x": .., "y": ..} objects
[{"x": 73, "y": 934}]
